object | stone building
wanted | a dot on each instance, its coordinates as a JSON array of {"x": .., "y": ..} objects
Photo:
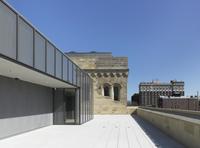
[
  {"x": 135, "y": 99},
  {"x": 150, "y": 91},
  {"x": 110, "y": 75}
]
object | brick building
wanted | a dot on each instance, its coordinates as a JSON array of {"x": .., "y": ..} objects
[
  {"x": 184, "y": 103},
  {"x": 149, "y": 92}
]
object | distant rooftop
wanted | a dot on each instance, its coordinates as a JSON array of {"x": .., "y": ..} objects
[
  {"x": 91, "y": 52},
  {"x": 157, "y": 82},
  {"x": 179, "y": 97}
]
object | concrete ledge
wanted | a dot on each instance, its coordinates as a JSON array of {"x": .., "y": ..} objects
[
  {"x": 183, "y": 129},
  {"x": 131, "y": 109},
  {"x": 174, "y": 110}
]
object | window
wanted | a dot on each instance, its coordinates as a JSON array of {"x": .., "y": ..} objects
[{"x": 106, "y": 91}]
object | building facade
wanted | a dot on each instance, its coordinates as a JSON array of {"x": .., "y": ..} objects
[
  {"x": 110, "y": 76},
  {"x": 150, "y": 92},
  {"x": 135, "y": 99},
  {"x": 183, "y": 103},
  {"x": 39, "y": 85}
]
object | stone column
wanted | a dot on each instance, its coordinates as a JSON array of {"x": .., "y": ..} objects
[
  {"x": 112, "y": 92},
  {"x": 102, "y": 90}
]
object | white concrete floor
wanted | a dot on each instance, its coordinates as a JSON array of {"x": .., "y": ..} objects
[{"x": 105, "y": 131}]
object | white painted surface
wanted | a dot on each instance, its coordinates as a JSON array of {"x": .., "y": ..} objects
[
  {"x": 105, "y": 131},
  {"x": 14, "y": 70}
]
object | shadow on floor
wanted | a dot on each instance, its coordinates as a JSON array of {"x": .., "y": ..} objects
[{"x": 160, "y": 139}]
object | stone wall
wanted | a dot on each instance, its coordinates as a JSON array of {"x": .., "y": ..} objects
[
  {"x": 106, "y": 71},
  {"x": 112, "y": 63},
  {"x": 112, "y": 80},
  {"x": 99, "y": 61},
  {"x": 180, "y": 103},
  {"x": 84, "y": 62}
]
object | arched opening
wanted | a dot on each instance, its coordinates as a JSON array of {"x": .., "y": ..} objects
[
  {"x": 117, "y": 92},
  {"x": 106, "y": 91}
]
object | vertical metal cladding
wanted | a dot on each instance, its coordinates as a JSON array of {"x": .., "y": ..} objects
[
  {"x": 58, "y": 64},
  {"x": 25, "y": 42},
  {"x": 50, "y": 59},
  {"x": 39, "y": 52},
  {"x": 65, "y": 68},
  {"x": 86, "y": 98},
  {"x": 21, "y": 42},
  {"x": 7, "y": 31}
]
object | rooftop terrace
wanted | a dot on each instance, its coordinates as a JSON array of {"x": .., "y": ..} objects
[{"x": 105, "y": 131}]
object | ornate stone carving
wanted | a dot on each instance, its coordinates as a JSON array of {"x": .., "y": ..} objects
[
  {"x": 118, "y": 74},
  {"x": 93, "y": 75},
  {"x": 99, "y": 74},
  {"x": 106, "y": 75},
  {"x": 106, "y": 69},
  {"x": 112, "y": 75}
]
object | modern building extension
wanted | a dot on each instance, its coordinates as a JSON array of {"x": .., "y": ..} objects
[
  {"x": 149, "y": 92},
  {"x": 110, "y": 77},
  {"x": 39, "y": 85}
]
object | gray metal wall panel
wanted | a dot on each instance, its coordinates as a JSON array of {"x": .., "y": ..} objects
[
  {"x": 25, "y": 54},
  {"x": 74, "y": 75},
  {"x": 22, "y": 100},
  {"x": 70, "y": 71},
  {"x": 25, "y": 44},
  {"x": 77, "y": 106},
  {"x": 65, "y": 70},
  {"x": 7, "y": 32},
  {"x": 39, "y": 52},
  {"x": 78, "y": 76},
  {"x": 50, "y": 59},
  {"x": 81, "y": 98},
  {"x": 18, "y": 125},
  {"x": 58, "y": 64},
  {"x": 58, "y": 115}
]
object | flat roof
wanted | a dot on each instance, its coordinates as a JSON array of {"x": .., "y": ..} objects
[
  {"x": 181, "y": 97},
  {"x": 162, "y": 83},
  {"x": 104, "y": 131},
  {"x": 91, "y": 52}
]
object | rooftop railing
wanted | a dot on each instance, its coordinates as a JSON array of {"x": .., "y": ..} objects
[{"x": 21, "y": 42}]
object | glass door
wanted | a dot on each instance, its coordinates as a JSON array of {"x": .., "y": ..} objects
[{"x": 70, "y": 103}]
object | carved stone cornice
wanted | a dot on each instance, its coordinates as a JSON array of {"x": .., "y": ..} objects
[{"x": 108, "y": 74}]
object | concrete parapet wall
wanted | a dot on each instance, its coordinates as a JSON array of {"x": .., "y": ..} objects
[
  {"x": 183, "y": 129},
  {"x": 188, "y": 112}
]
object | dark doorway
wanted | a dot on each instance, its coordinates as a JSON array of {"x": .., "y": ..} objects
[
  {"x": 116, "y": 93},
  {"x": 106, "y": 91},
  {"x": 70, "y": 102}
]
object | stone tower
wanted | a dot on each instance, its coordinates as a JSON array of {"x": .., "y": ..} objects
[{"x": 110, "y": 76}]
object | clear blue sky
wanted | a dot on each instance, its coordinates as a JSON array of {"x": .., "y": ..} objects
[{"x": 160, "y": 37}]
